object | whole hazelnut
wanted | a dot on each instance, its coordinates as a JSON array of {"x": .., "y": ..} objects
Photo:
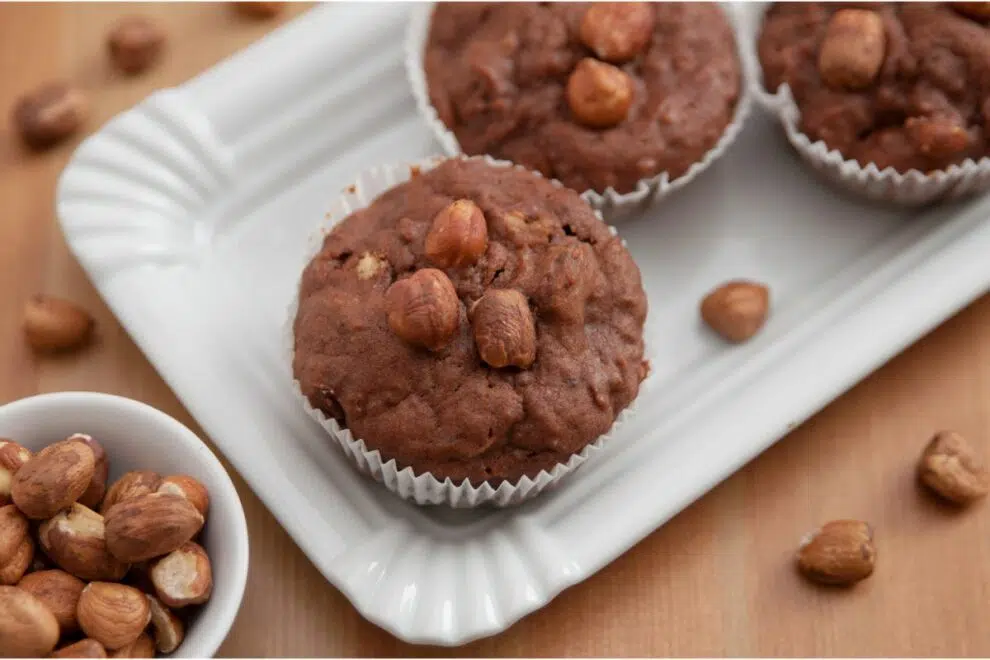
[
  {"x": 50, "y": 114},
  {"x": 853, "y": 48},
  {"x": 134, "y": 43},
  {"x": 423, "y": 309},
  {"x": 599, "y": 94},
  {"x": 617, "y": 31},
  {"x": 952, "y": 468},
  {"x": 53, "y": 324},
  {"x": 504, "y": 331},
  {"x": 841, "y": 552},
  {"x": 459, "y": 235},
  {"x": 737, "y": 309},
  {"x": 259, "y": 10}
]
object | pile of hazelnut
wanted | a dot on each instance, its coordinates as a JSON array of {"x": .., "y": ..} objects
[{"x": 92, "y": 570}]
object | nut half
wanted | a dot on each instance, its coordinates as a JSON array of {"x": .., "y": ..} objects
[
  {"x": 183, "y": 577},
  {"x": 952, "y": 468},
  {"x": 169, "y": 629}
]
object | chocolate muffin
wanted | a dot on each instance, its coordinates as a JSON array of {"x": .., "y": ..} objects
[
  {"x": 599, "y": 95},
  {"x": 900, "y": 85},
  {"x": 475, "y": 322}
]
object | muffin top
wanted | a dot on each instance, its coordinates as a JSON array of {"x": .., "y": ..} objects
[
  {"x": 475, "y": 322},
  {"x": 901, "y": 85},
  {"x": 595, "y": 95}
]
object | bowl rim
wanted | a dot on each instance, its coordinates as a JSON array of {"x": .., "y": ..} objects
[{"x": 38, "y": 403}]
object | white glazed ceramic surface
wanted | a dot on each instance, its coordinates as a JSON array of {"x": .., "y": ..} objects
[
  {"x": 192, "y": 213},
  {"x": 137, "y": 436}
]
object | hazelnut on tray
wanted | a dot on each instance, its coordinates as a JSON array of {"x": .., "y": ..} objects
[{"x": 501, "y": 334}]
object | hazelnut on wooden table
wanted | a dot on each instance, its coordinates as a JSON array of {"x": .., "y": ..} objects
[
  {"x": 52, "y": 324},
  {"x": 259, "y": 10},
  {"x": 853, "y": 48},
  {"x": 599, "y": 94},
  {"x": 617, "y": 31},
  {"x": 27, "y": 628},
  {"x": 134, "y": 44},
  {"x": 840, "y": 553},
  {"x": 737, "y": 309},
  {"x": 504, "y": 330},
  {"x": 50, "y": 114},
  {"x": 458, "y": 236},
  {"x": 423, "y": 309},
  {"x": 952, "y": 468}
]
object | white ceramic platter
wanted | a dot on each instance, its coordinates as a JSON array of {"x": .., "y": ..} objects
[{"x": 191, "y": 213}]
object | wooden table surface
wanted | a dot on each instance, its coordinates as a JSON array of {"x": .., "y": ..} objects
[{"x": 716, "y": 580}]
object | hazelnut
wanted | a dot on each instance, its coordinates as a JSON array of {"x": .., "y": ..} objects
[
  {"x": 169, "y": 629},
  {"x": 27, "y": 628},
  {"x": 13, "y": 532},
  {"x": 98, "y": 485},
  {"x": 976, "y": 10},
  {"x": 459, "y": 235},
  {"x": 75, "y": 539},
  {"x": 50, "y": 114},
  {"x": 183, "y": 577},
  {"x": 617, "y": 31},
  {"x": 938, "y": 137},
  {"x": 150, "y": 526},
  {"x": 504, "y": 331},
  {"x": 841, "y": 552},
  {"x": 142, "y": 647},
  {"x": 113, "y": 614},
  {"x": 423, "y": 309},
  {"x": 853, "y": 48},
  {"x": 132, "y": 484},
  {"x": 53, "y": 479},
  {"x": 134, "y": 43},
  {"x": 736, "y": 310},
  {"x": 189, "y": 488},
  {"x": 18, "y": 565},
  {"x": 952, "y": 468},
  {"x": 84, "y": 648},
  {"x": 59, "y": 592},
  {"x": 12, "y": 457},
  {"x": 52, "y": 325},
  {"x": 599, "y": 94},
  {"x": 259, "y": 10}
]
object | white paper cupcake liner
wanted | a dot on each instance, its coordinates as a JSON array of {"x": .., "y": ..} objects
[
  {"x": 909, "y": 189},
  {"x": 613, "y": 205},
  {"x": 422, "y": 488}
]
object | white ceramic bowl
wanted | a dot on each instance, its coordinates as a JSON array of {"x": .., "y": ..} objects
[{"x": 137, "y": 436}]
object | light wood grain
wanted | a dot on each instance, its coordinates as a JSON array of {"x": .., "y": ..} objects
[{"x": 717, "y": 580}]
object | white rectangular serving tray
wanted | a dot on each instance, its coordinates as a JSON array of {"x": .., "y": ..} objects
[{"x": 191, "y": 213}]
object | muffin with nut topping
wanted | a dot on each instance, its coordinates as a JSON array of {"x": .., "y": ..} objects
[
  {"x": 475, "y": 323},
  {"x": 601, "y": 96},
  {"x": 904, "y": 86}
]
